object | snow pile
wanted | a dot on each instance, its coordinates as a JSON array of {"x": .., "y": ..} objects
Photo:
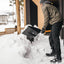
[
  {"x": 16, "y": 49},
  {"x": 12, "y": 48}
]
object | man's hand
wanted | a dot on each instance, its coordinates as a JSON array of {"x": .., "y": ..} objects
[{"x": 43, "y": 30}]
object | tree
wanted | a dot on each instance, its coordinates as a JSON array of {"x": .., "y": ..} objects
[{"x": 14, "y": 2}]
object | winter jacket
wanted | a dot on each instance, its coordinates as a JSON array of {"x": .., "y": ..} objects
[{"x": 51, "y": 15}]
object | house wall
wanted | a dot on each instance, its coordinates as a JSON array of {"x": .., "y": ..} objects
[
  {"x": 40, "y": 14},
  {"x": 27, "y": 13}
]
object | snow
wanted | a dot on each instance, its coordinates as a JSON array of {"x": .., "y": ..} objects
[
  {"x": 5, "y": 10},
  {"x": 3, "y": 13},
  {"x": 4, "y": 5},
  {"x": 9, "y": 25},
  {"x": 16, "y": 49}
]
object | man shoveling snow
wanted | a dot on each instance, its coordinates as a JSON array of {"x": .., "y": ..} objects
[{"x": 52, "y": 17}]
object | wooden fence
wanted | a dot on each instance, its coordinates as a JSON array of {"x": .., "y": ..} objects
[{"x": 9, "y": 31}]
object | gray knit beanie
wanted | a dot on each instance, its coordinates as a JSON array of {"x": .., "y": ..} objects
[
  {"x": 45, "y": 2},
  {"x": 42, "y": 1}
]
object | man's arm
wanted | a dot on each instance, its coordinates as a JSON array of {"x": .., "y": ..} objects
[{"x": 46, "y": 17}]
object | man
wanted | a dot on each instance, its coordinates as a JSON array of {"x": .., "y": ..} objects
[{"x": 52, "y": 17}]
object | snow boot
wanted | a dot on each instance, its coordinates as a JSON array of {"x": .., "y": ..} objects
[
  {"x": 56, "y": 60},
  {"x": 51, "y": 54}
]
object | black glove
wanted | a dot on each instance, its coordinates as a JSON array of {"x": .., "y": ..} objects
[{"x": 43, "y": 30}]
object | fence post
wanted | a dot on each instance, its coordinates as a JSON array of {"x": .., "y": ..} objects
[{"x": 18, "y": 17}]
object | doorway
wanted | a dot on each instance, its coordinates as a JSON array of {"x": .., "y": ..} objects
[{"x": 33, "y": 13}]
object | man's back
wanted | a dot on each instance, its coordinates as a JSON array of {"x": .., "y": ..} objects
[{"x": 53, "y": 13}]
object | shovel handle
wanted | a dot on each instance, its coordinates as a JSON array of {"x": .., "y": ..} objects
[{"x": 47, "y": 31}]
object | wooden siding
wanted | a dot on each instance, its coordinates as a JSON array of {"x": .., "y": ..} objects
[
  {"x": 27, "y": 13},
  {"x": 40, "y": 14}
]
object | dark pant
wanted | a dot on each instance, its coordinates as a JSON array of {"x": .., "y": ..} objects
[{"x": 54, "y": 38}]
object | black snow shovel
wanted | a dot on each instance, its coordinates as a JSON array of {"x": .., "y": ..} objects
[{"x": 31, "y": 32}]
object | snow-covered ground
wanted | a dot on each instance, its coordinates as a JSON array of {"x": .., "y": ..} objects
[{"x": 16, "y": 49}]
